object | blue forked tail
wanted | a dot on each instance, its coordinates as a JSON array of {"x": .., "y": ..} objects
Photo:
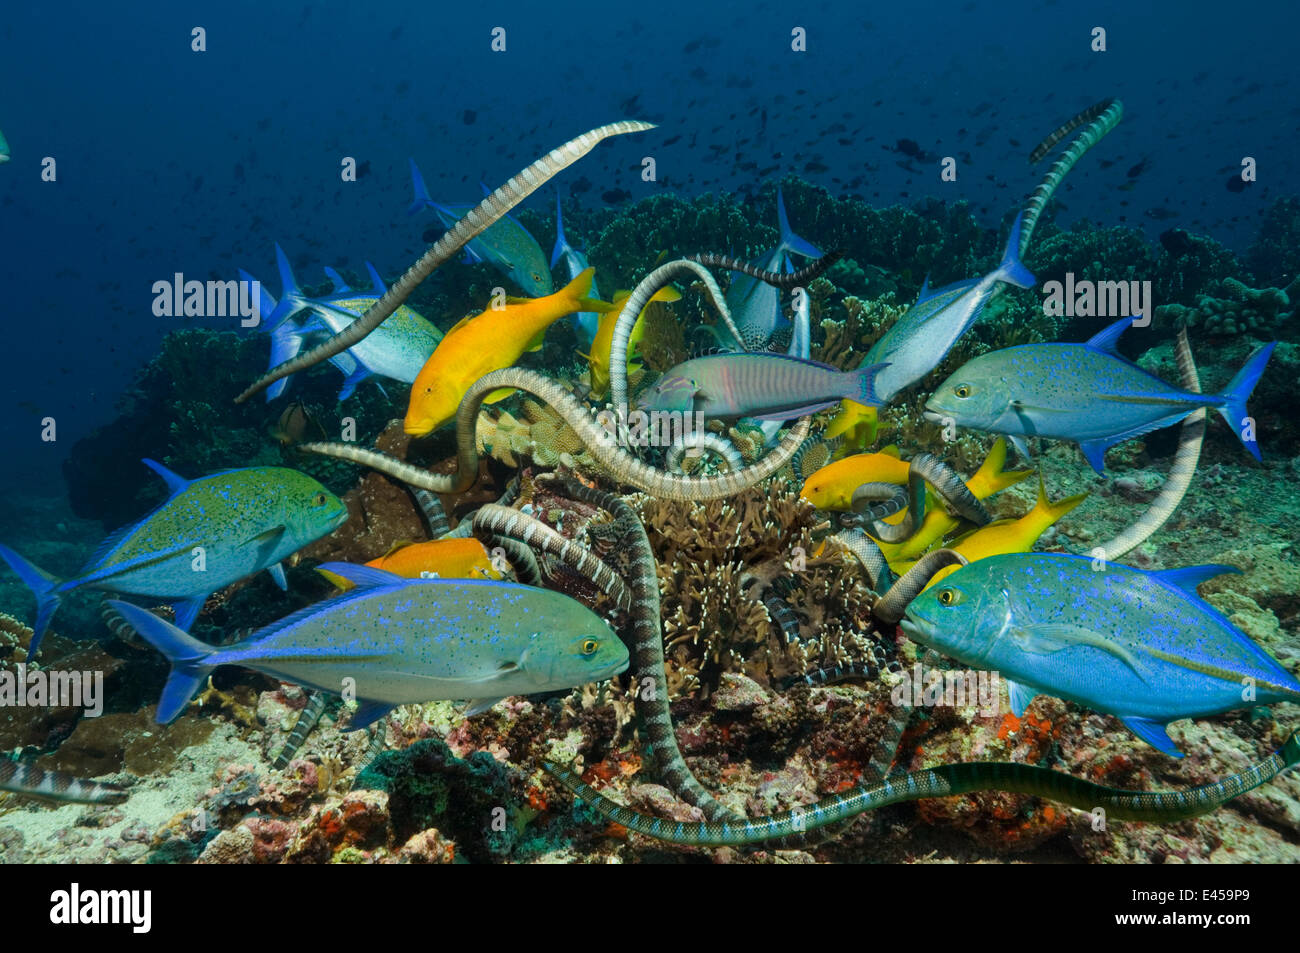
[
  {"x": 188, "y": 656},
  {"x": 1238, "y": 391},
  {"x": 44, "y": 586}
]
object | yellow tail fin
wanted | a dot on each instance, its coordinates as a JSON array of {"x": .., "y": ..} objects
[
  {"x": 1046, "y": 513},
  {"x": 990, "y": 478}
]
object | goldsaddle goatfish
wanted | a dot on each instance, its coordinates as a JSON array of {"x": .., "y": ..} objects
[{"x": 395, "y": 641}]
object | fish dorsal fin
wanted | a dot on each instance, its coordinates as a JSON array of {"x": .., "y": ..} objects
[
  {"x": 890, "y": 451},
  {"x": 363, "y": 577},
  {"x": 925, "y": 289},
  {"x": 460, "y": 324},
  {"x": 109, "y": 543},
  {"x": 380, "y": 287},
  {"x": 340, "y": 286},
  {"x": 175, "y": 482},
  {"x": 1107, "y": 339},
  {"x": 1189, "y": 577}
]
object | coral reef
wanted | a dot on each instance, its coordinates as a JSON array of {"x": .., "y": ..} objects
[{"x": 1240, "y": 310}]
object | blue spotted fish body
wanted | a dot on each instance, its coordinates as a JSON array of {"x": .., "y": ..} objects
[
  {"x": 1087, "y": 393},
  {"x": 505, "y": 245},
  {"x": 394, "y": 641},
  {"x": 1139, "y": 645},
  {"x": 922, "y": 337},
  {"x": 210, "y": 532},
  {"x": 397, "y": 349}
]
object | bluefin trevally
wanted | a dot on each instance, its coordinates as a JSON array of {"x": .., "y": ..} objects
[
  {"x": 764, "y": 386},
  {"x": 576, "y": 262},
  {"x": 922, "y": 337},
  {"x": 1139, "y": 645},
  {"x": 210, "y": 532},
  {"x": 755, "y": 306},
  {"x": 397, "y": 349},
  {"x": 395, "y": 641},
  {"x": 1087, "y": 393},
  {"x": 505, "y": 245}
]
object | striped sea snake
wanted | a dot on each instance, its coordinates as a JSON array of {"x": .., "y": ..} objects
[
  {"x": 434, "y": 513},
  {"x": 1180, "y": 473},
  {"x": 307, "y": 720},
  {"x": 502, "y": 521},
  {"x": 893, "y": 604},
  {"x": 19, "y": 778},
  {"x": 651, "y": 684},
  {"x": 482, "y": 216},
  {"x": 1101, "y": 119},
  {"x": 922, "y": 468},
  {"x": 777, "y": 279},
  {"x": 702, "y": 440},
  {"x": 944, "y": 781},
  {"x": 601, "y": 443}
]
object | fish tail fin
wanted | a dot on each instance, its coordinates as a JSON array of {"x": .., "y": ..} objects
[
  {"x": 188, "y": 656},
  {"x": 862, "y": 385},
  {"x": 44, "y": 586},
  {"x": 576, "y": 292},
  {"x": 289, "y": 289},
  {"x": 1233, "y": 410},
  {"x": 561, "y": 242},
  {"x": 421, "y": 200},
  {"x": 789, "y": 240},
  {"x": 1011, "y": 270},
  {"x": 1046, "y": 512},
  {"x": 286, "y": 339},
  {"x": 991, "y": 478}
]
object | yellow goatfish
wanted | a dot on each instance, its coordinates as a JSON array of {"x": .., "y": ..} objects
[
  {"x": 598, "y": 359},
  {"x": 990, "y": 478},
  {"x": 445, "y": 558},
  {"x": 487, "y": 342},
  {"x": 1008, "y": 536},
  {"x": 831, "y": 487}
]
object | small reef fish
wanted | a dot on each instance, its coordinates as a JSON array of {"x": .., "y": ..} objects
[
  {"x": 831, "y": 487},
  {"x": 56, "y": 787},
  {"x": 402, "y": 641},
  {"x": 486, "y": 342},
  {"x": 989, "y": 479},
  {"x": 598, "y": 359},
  {"x": 397, "y": 349},
  {"x": 440, "y": 558},
  {"x": 1085, "y": 393},
  {"x": 1006, "y": 536},
  {"x": 209, "y": 533},
  {"x": 765, "y": 386},
  {"x": 507, "y": 246},
  {"x": 922, "y": 337},
  {"x": 576, "y": 262},
  {"x": 293, "y": 423},
  {"x": 1142, "y": 646},
  {"x": 755, "y": 306}
]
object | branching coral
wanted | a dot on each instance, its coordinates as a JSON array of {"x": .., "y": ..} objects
[{"x": 1243, "y": 309}]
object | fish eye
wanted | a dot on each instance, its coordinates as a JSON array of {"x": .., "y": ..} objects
[
  {"x": 589, "y": 646},
  {"x": 320, "y": 499},
  {"x": 962, "y": 390},
  {"x": 949, "y": 597}
]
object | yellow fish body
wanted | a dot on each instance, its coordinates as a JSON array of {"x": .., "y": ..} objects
[
  {"x": 598, "y": 359},
  {"x": 990, "y": 478},
  {"x": 831, "y": 487},
  {"x": 1008, "y": 536},
  {"x": 856, "y": 423},
  {"x": 487, "y": 342},
  {"x": 445, "y": 558}
]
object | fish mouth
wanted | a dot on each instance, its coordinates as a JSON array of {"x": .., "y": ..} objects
[
  {"x": 609, "y": 671},
  {"x": 933, "y": 416},
  {"x": 916, "y": 628},
  {"x": 417, "y": 428}
]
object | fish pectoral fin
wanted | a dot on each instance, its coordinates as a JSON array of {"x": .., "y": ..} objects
[
  {"x": 267, "y": 541},
  {"x": 1153, "y": 733},
  {"x": 1055, "y": 637},
  {"x": 477, "y": 706},
  {"x": 367, "y": 713},
  {"x": 1020, "y": 696}
]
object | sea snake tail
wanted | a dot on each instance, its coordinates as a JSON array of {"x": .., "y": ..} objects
[
  {"x": 434, "y": 513},
  {"x": 521, "y": 557},
  {"x": 780, "y": 612},
  {"x": 506, "y": 522},
  {"x": 1180, "y": 473},
  {"x": 862, "y": 546},
  {"x": 893, "y": 604},
  {"x": 944, "y": 781},
  {"x": 651, "y": 685},
  {"x": 491, "y": 210},
  {"x": 601, "y": 443},
  {"x": 1111, "y": 111},
  {"x": 19, "y": 778},
  {"x": 843, "y": 672},
  {"x": 784, "y": 280},
  {"x": 307, "y": 719}
]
